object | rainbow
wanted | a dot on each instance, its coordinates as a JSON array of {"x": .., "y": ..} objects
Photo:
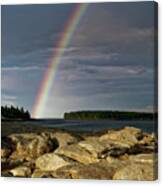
[{"x": 49, "y": 76}]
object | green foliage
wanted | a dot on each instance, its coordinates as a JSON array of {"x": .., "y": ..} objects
[
  {"x": 14, "y": 112},
  {"x": 112, "y": 115}
]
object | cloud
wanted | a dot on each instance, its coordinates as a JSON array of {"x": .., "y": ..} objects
[
  {"x": 147, "y": 109},
  {"x": 17, "y": 68},
  {"x": 9, "y": 100},
  {"x": 108, "y": 63}
]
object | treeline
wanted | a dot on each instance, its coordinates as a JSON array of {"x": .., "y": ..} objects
[
  {"x": 14, "y": 113},
  {"x": 112, "y": 115}
]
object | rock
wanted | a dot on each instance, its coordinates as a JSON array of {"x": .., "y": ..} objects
[
  {"x": 103, "y": 148},
  {"x": 93, "y": 145},
  {"x": 148, "y": 139},
  {"x": 29, "y": 146},
  {"x": 90, "y": 171},
  {"x": 4, "y": 163},
  {"x": 6, "y": 147},
  {"x": 128, "y": 136},
  {"x": 136, "y": 171},
  {"x": 143, "y": 158},
  {"x": 5, "y": 152},
  {"x": 77, "y": 153},
  {"x": 117, "y": 163},
  {"x": 15, "y": 138},
  {"x": 64, "y": 138},
  {"x": 9, "y": 163},
  {"x": 114, "y": 151},
  {"x": 50, "y": 162},
  {"x": 126, "y": 153},
  {"x": 140, "y": 148},
  {"x": 21, "y": 171},
  {"x": 41, "y": 174},
  {"x": 6, "y": 174}
]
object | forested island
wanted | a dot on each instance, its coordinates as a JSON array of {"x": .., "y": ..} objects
[
  {"x": 112, "y": 115},
  {"x": 14, "y": 113}
]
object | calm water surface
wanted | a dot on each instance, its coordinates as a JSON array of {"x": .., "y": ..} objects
[{"x": 94, "y": 126}]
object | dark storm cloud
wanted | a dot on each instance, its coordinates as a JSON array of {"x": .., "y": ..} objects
[
  {"x": 27, "y": 28},
  {"x": 110, "y": 58}
]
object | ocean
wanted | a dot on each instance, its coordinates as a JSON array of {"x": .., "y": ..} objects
[{"x": 95, "y": 125}]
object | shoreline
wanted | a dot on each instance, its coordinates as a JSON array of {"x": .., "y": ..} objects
[{"x": 35, "y": 151}]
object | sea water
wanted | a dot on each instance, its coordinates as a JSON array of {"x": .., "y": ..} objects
[{"x": 95, "y": 125}]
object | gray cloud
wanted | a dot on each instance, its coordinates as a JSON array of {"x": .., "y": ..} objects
[{"x": 109, "y": 60}]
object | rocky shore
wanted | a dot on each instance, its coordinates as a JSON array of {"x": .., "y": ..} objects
[{"x": 123, "y": 154}]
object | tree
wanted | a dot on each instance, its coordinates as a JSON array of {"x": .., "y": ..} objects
[{"x": 14, "y": 112}]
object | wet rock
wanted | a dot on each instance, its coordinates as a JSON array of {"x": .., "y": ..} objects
[
  {"x": 50, "y": 162},
  {"x": 77, "y": 153},
  {"x": 136, "y": 171},
  {"x": 21, "y": 171}
]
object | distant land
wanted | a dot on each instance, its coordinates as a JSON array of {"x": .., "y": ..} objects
[
  {"x": 14, "y": 113},
  {"x": 112, "y": 115}
]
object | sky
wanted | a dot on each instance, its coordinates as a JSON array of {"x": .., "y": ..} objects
[{"x": 107, "y": 65}]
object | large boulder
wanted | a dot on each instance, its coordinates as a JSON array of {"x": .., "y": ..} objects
[
  {"x": 50, "y": 162},
  {"x": 64, "y": 138},
  {"x": 94, "y": 146},
  {"x": 136, "y": 171},
  {"x": 31, "y": 145},
  {"x": 77, "y": 153},
  {"x": 127, "y": 135},
  {"x": 102, "y": 148}
]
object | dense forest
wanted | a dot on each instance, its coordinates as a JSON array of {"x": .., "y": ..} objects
[
  {"x": 113, "y": 115},
  {"x": 14, "y": 113}
]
